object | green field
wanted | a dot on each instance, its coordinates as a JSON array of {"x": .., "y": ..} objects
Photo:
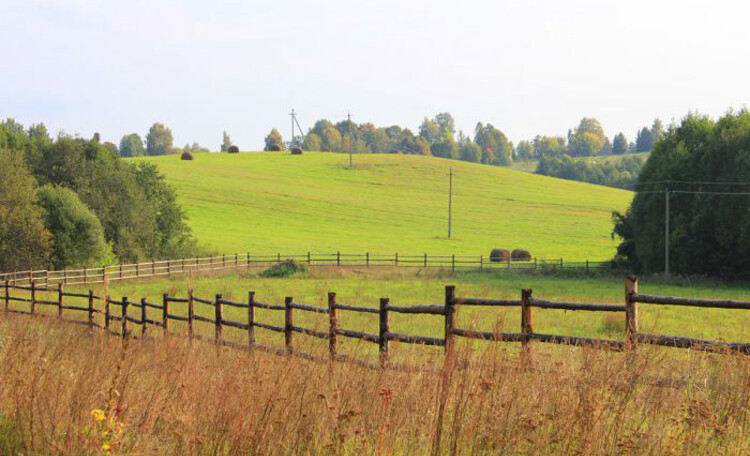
[{"x": 276, "y": 202}]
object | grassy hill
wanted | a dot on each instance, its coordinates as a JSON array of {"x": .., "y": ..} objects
[{"x": 269, "y": 202}]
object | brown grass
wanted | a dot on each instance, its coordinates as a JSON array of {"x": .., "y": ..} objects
[{"x": 176, "y": 397}]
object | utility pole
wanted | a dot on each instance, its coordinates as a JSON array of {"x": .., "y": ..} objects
[
  {"x": 666, "y": 231},
  {"x": 293, "y": 114},
  {"x": 349, "y": 132},
  {"x": 450, "y": 202}
]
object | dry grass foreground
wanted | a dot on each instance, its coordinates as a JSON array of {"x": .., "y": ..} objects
[{"x": 67, "y": 390}]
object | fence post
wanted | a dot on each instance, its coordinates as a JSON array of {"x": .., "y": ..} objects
[
  {"x": 218, "y": 317},
  {"x": 104, "y": 274},
  {"x": 236, "y": 260},
  {"x": 153, "y": 267},
  {"x": 481, "y": 262},
  {"x": 91, "y": 308},
  {"x": 223, "y": 261},
  {"x": 509, "y": 260},
  {"x": 169, "y": 268},
  {"x": 338, "y": 258},
  {"x": 453, "y": 263},
  {"x": 367, "y": 259},
  {"x": 165, "y": 313},
  {"x": 46, "y": 278},
  {"x": 7, "y": 295},
  {"x": 526, "y": 323},
  {"x": 587, "y": 266},
  {"x": 631, "y": 311},
  {"x": 120, "y": 271},
  {"x": 59, "y": 300},
  {"x": 85, "y": 275},
  {"x": 251, "y": 318},
  {"x": 561, "y": 263},
  {"x": 383, "y": 332},
  {"x": 124, "y": 316},
  {"x": 191, "y": 312},
  {"x": 535, "y": 263},
  {"x": 450, "y": 320},
  {"x": 65, "y": 276},
  {"x": 288, "y": 323},
  {"x": 106, "y": 313},
  {"x": 248, "y": 260},
  {"x": 425, "y": 260},
  {"x": 144, "y": 317},
  {"x": 395, "y": 260},
  {"x": 33, "y": 297},
  {"x": 333, "y": 325},
  {"x": 278, "y": 258},
  {"x": 137, "y": 270},
  {"x": 309, "y": 259}
]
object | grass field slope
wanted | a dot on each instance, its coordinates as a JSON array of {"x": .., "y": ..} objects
[{"x": 269, "y": 202}]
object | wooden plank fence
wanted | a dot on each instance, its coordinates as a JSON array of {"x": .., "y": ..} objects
[
  {"x": 217, "y": 263},
  {"x": 136, "y": 313}
]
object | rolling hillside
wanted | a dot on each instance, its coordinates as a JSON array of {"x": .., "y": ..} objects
[{"x": 269, "y": 202}]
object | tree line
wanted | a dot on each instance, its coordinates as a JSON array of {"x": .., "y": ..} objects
[
  {"x": 438, "y": 137},
  {"x": 69, "y": 202},
  {"x": 621, "y": 174}
]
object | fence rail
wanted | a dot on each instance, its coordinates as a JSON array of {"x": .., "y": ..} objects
[
  {"x": 166, "y": 268},
  {"x": 120, "y": 311}
]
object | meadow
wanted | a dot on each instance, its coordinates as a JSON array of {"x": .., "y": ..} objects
[{"x": 275, "y": 202}]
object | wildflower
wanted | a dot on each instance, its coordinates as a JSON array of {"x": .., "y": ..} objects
[
  {"x": 106, "y": 446},
  {"x": 97, "y": 414}
]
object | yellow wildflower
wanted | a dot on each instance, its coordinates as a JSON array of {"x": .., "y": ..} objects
[{"x": 97, "y": 414}]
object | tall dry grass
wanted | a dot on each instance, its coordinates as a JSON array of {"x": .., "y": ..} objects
[{"x": 176, "y": 397}]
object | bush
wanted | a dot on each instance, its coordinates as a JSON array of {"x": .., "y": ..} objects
[
  {"x": 77, "y": 234},
  {"x": 284, "y": 269},
  {"x": 233, "y": 150},
  {"x": 186, "y": 156},
  {"x": 296, "y": 151}
]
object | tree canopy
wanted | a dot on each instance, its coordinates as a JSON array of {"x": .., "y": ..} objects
[{"x": 159, "y": 140}]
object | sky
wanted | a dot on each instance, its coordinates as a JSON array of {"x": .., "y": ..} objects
[{"x": 527, "y": 67}]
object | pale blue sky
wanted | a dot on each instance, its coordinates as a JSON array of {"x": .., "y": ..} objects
[{"x": 527, "y": 67}]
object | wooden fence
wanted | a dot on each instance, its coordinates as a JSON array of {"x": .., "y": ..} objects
[
  {"x": 140, "y": 314},
  {"x": 236, "y": 261}
]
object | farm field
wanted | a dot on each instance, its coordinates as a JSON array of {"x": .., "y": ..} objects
[
  {"x": 276, "y": 202},
  {"x": 364, "y": 287}
]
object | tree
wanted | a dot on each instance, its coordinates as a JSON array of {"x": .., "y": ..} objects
[
  {"x": 709, "y": 233},
  {"x": 25, "y": 243},
  {"x": 112, "y": 147},
  {"x": 446, "y": 125},
  {"x": 446, "y": 148},
  {"x": 77, "y": 234},
  {"x": 587, "y": 138},
  {"x": 470, "y": 152},
  {"x": 497, "y": 150},
  {"x": 620, "y": 144},
  {"x": 274, "y": 138},
  {"x": 644, "y": 140},
  {"x": 330, "y": 139},
  {"x": 131, "y": 146},
  {"x": 549, "y": 146},
  {"x": 226, "y": 141},
  {"x": 312, "y": 142},
  {"x": 657, "y": 130},
  {"x": 525, "y": 151},
  {"x": 429, "y": 130},
  {"x": 159, "y": 140}
]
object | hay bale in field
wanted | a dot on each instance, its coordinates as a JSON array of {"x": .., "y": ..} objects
[
  {"x": 520, "y": 254},
  {"x": 296, "y": 151},
  {"x": 186, "y": 156},
  {"x": 285, "y": 268},
  {"x": 233, "y": 150},
  {"x": 498, "y": 255},
  {"x": 275, "y": 148}
]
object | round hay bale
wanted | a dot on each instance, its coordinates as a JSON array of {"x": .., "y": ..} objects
[
  {"x": 233, "y": 150},
  {"x": 296, "y": 151},
  {"x": 499, "y": 255},
  {"x": 275, "y": 148},
  {"x": 521, "y": 255},
  {"x": 186, "y": 156}
]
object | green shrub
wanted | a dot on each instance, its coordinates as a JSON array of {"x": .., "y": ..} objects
[
  {"x": 284, "y": 269},
  {"x": 77, "y": 234}
]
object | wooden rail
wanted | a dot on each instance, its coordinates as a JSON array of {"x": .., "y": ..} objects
[
  {"x": 224, "y": 262},
  {"x": 182, "y": 309}
]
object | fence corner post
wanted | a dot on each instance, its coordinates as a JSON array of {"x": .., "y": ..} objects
[
  {"x": 450, "y": 320},
  {"x": 218, "y": 317},
  {"x": 631, "y": 311},
  {"x": 288, "y": 323},
  {"x": 251, "y": 318},
  {"x": 383, "y": 332},
  {"x": 333, "y": 325}
]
